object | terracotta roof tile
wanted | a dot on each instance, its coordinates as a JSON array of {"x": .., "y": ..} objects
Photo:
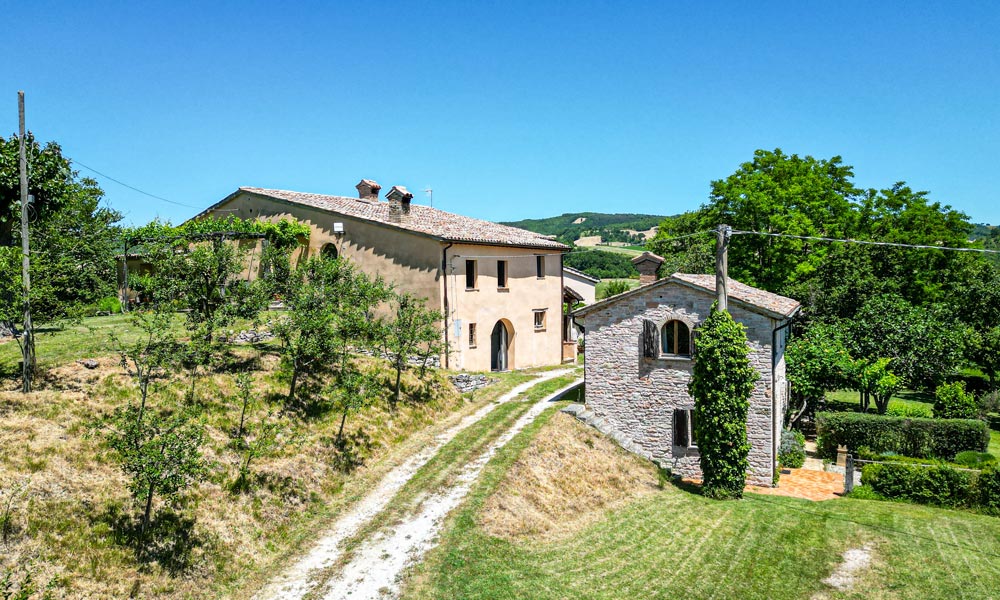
[
  {"x": 422, "y": 219},
  {"x": 744, "y": 293}
]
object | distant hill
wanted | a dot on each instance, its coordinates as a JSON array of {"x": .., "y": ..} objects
[{"x": 569, "y": 227}]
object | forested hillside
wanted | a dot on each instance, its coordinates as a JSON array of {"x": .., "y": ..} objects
[{"x": 570, "y": 227}]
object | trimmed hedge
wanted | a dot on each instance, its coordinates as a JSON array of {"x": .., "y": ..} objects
[
  {"x": 939, "y": 485},
  {"x": 921, "y": 438}
]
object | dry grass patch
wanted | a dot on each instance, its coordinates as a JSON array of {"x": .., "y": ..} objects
[{"x": 567, "y": 478}]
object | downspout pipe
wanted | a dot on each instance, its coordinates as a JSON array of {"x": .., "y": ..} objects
[{"x": 444, "y": 276}]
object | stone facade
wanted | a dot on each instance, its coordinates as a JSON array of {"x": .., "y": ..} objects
[{"x": 637, "y": 395}]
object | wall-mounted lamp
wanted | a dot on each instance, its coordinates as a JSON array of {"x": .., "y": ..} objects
[{"x": 338, "y": 228}]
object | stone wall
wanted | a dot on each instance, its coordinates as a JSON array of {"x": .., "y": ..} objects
[
  {"x": 468, "y": 382},
  {"x": 637, "y": 396}
]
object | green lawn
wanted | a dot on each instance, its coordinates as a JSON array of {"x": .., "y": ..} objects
[
  {"x": 627, "y": 250},
  {"x": 677, "y": 544}
]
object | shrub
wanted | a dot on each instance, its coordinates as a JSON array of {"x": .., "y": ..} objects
[
  {"x": 792, "y": 452},
  {"x": 109, "y": 305},
  {"x": 864, "y": 492},
  {"x": 938, "y": 485},
  {"x": 721, "y": 384},
  {"x": 974, "y": 460},
  {"x": 922, "y": 438},
  {"x": 953, "y": 402},
  {"x": 988, "y": 490},
  {"x": 910, "y": 411},
  {"x": 989, "y": 403},
  {"x": 615, "y": 287}
]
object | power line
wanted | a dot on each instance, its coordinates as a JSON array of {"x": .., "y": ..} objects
[
  {"x": 133, "y": 188},
  {"x": 865, "y": 242}
]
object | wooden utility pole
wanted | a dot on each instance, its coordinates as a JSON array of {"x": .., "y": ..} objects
[
  {"x": 27, "y": 336},
  {"x": 722, "y": 266}
]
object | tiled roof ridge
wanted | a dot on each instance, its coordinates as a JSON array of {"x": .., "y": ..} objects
[{"x": 422, "y": 219}]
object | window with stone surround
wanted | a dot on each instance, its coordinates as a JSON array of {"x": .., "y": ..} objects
[
  {"x": 684, "y": 428},
  {"x": 675, "y": 339},
  {"x": 539, "y": 319},
  {"x": 472, "y": 335}
]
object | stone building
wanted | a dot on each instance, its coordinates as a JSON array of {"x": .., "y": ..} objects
[
  {"x": 639, "y": 358},
  {"x": 499, "y": 287}
]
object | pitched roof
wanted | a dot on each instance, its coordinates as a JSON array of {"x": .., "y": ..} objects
[
  {"x": 752, "y": 298},
  {"x": 580, "y": 274},
  {"x": 422, "y": 219}
]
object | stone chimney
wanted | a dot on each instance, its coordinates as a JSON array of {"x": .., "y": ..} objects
[
  {"x": 368, "y": 189},
  {"x": 399, "y": 204},
  {"x": 647, "y": 264}
]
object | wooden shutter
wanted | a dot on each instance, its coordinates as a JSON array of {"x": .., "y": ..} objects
[{"x": 650, "y": 345}]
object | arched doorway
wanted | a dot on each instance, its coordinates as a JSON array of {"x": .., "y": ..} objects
[
  {"x": 500, "y": 346},
  {"x": 329, "y": 252}
]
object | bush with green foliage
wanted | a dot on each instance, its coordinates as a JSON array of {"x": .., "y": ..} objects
[
  {"x": 951, "y": 401},
  {"x": 924, "y": 438},
  {"x": 974, "y": 460},
  {"x": 792, "y": 452},
  {"x": 613, "y": 288},
  {"x": 910, "y": 411},
  {"x": 938, "y": 485},
  {"x": 874, "y": 381},
  {"x": 721, "y": 384},
  {"x": 988, "y": 490},
  {"x": 817, "y": 362}
]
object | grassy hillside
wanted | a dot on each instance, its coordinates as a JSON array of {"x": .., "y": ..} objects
[
  {"x": 68, "y": 519},
  {"x": 542, "y": 523},
  {"x": 570, "y": 227}
]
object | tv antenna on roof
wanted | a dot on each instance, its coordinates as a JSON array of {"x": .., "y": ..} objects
[{"x": 430, "y": 194}]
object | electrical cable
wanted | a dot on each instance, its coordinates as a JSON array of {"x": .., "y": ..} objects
[
  {"x": 133, "y": 188},
  {"x": 865, "y": 242}
]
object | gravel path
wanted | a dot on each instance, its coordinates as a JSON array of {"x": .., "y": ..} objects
[
  {"x": 375, "y": 570},
  {"x": 298, "y": 580}
]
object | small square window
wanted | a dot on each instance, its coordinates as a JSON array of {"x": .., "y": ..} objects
[
  {"x": 501, "y": 274},
  {"x": 472, "y": 335},
  {"x": 471, "y": 275},
  {"x": 540, "y": 266},
  {"x": 540, "y": 319}
]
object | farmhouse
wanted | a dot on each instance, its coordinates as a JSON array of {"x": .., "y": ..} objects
[
  {"x": 499, "y": 287},
  {"x": 639, "y": 358}
]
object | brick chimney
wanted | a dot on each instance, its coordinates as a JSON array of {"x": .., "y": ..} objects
[
  {"x": 368, "y": 189},
  {"x": 399, "y": 204},
  {"x": 647, "y": 264}
]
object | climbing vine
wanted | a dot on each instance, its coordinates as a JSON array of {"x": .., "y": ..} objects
[{"x": 721, "y": 384}]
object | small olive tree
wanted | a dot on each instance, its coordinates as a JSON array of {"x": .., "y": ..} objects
[
  {"x": 818, "y": 362},
  {"x": 721, "y": 384},
  {"x": 160, "y": 453},
  {"x": 411, "y": 332},
  {"x": 150, "y": 353},
  {"x": 874, "y": 381}
]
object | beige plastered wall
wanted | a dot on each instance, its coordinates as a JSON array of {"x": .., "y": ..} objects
[
  {"x": 515, "y": 306},
  {"x": 412, "y": 263}
]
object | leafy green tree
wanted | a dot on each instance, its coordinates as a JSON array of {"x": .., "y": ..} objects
[
  {"x": 73, "y": 238},
  {"x": 261, "y": 439},
  {"x": 330, "y": 306},
  {"x": 721, "y": 383},
  {"x": 159, "y": 453},
  {"x": 874, "y": 381},
  {"x": 984, "y": 350},
  {"x": 147, "y": 356},
  {"x": 926, "y": 344},
  {"x": 817, "y": 361},
  {"x": 601, "y": 264},
  {"x": 613, "y": 288},
  {"x": 353, "y": 390},
  {"x": 411, "y": 332}
]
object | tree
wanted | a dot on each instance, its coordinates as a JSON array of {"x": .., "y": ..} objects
[
  {"x": 984, "y": 350},
  {"x": 329, "y": 305},
  {"x": 926, "y": 344},
  {"x": 721, "y": 383},
  {"x": 160, "y": 454},
  {"x": 147, "y": 357},
  {"x": 817, "y": 361},
  {"x": 73, "y": 238},
  {"x": 352, "y": 390},
  {"x": 874, "y": 381},
  {"x": 412, "y": 332}
]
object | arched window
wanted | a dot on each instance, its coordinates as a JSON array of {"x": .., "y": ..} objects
[
  {"x": 329, "y": 251},
  {"x": 675, "y": 338}
]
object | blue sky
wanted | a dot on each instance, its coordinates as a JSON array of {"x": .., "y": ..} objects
[{"x": 508, "y": 110}]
